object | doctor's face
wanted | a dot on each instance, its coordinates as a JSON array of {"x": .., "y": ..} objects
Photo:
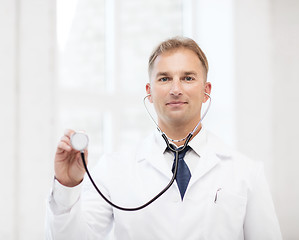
[{"x": 177, "y": 86}]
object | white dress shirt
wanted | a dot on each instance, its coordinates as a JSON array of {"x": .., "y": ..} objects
[{"x": 227, "y": 197}]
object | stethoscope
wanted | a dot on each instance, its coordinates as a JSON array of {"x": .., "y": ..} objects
[{"x": 79, "y": 142}]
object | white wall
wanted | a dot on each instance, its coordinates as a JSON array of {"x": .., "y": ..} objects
[
  {"x": 266, "y": 81},
  {"x": 285, "y": 66},
  {"x": 27, "y": 50},
  {"x": 8, "y": 119}
]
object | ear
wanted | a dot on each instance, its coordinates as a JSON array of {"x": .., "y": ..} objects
[
  {"x": 208, "y": 88},
  {"x": 149, "y": 92}
]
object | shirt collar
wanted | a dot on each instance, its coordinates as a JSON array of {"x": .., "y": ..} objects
[{"x": 198, "y": 143}]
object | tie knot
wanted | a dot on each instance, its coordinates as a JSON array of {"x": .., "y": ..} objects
[{"x": 183, "y": 152}]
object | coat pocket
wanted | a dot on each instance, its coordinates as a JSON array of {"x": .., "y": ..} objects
[{"x": 225, "y": 215}]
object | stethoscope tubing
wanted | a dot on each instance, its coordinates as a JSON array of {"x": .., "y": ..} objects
[
  {"x": 176, "y": 151},
  {"x": 171, "y": 147}
]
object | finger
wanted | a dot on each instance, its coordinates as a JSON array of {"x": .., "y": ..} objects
[
  {"x": 62, "y": 146},
  {"x": 86, "y": 153},
  {"x": 66, "y": 140},
  {"x": 68, "y": 133}
]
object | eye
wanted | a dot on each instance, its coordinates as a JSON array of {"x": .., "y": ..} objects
[
  {"x": 163, "y": 79},
  {"x": 188, "y": 78}
]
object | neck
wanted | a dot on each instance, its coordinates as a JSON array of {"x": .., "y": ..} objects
[{"x": 179, "y": 132}]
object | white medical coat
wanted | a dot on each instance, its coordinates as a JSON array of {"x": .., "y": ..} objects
[{"x": 227, "y": 198}]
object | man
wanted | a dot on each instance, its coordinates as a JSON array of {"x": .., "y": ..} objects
[{"x": 225, "y": 195}]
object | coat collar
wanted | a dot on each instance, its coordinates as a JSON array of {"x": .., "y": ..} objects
[{"x": 205, "y": 145}]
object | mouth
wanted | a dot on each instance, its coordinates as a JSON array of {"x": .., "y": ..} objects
[{"x": 175, "y": 103}]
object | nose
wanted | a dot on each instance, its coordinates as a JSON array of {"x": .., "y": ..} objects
[{"x": 176, "y": 87}]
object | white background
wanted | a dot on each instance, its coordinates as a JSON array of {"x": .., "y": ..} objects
[{"x": 82, "y": 64}]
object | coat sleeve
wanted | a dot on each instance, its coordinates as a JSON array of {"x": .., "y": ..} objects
[
  {"x": 260, "y": 221},
  {"x": 77, "y": 213}
]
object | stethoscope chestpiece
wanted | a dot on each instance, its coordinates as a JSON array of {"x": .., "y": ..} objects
[{"x": 79, "y": 141}]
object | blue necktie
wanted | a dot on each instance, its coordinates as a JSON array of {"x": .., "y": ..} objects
[{"x": 183, "y": 174}]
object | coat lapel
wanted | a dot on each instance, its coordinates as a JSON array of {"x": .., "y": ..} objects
[
  {"x": 209, "y": 161},
  {"x": 210, "y": 150},
  {"x": 152, "y": 152}
]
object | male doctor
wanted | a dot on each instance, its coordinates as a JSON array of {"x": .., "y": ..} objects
[{"x": 218, "y": 193}]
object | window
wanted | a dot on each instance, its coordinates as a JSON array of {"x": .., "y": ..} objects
[{"x": 103, "y": 51}]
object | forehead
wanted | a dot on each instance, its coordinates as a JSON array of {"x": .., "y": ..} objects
[{"x": 177, "y": 60}]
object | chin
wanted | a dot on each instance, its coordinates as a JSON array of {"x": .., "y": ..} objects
[{"x": 176, "y": 119}]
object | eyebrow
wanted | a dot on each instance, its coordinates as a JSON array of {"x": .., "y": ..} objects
[
  {"x": 190, "y": 73},
  {"x": 162, "y": 74},
  {"x": 159, "y": 74}
]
